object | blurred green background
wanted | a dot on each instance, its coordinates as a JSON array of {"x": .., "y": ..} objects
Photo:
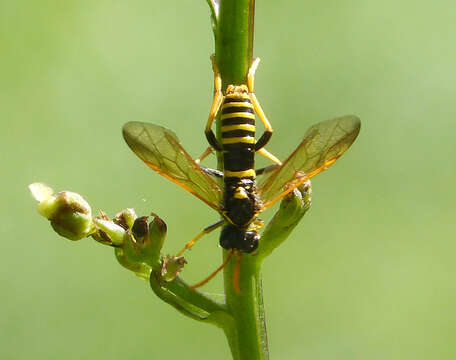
[{"x": 368, "y": 274}]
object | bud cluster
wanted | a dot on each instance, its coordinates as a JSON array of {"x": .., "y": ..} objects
[{"x": 137, "y": 242}]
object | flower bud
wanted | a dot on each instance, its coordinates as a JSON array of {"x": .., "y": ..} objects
[
  {"x": 145, "y": 241},
  {"x": 109, "y": 232},
  {"x": 125, "y": 218},
  {"x": 69, "y": 213},
  {"x": 292, "y": 209},
  {"x": 171, "y": 266}
]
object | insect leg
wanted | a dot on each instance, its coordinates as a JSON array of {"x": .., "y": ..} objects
[
  {"x": 212, "y": 172},
  {"x": 264, "y": 139},
  {"x": 251, "y": 74},
  {"x": 206, "y": 152},
  {"x": 267, "y": 169},
  {"x": 211, "y": 276},
  {"x": 269, "y": 156},
  {"x": 205, "y": 231},
  {"x": 256, "y": 105},
  {"x": 216, "y": 103},
  {"x": 208, "y": 171}
]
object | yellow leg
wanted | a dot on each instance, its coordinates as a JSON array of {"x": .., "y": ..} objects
[
  {"x": 206, "y": 152},
  {"x": 205, "y": 231},
  {"x": 269, "y": 156},
  {"x": 216, "y": 103},
  {"x": 253, "y": 98},
  {"x": 218, "y": 96},
  {"x": 256, "y": 105},
  {"x": 260, "y": 112},
  {"x": 251, "y": 74},
  {"x": 267, "y": 169}
]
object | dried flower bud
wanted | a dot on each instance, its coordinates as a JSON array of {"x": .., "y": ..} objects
[
  {"x": 145, "y": 241},
  {"x": 125, "y": 218},
  {"x": 140, "y": 230},
  {"x": 171, "y": 266}
]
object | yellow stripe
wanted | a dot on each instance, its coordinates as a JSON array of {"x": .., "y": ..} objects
[
  {"x": 245, "y": 115},
  {"x": 245, "y": 139},
  {"x": 247, "y": 127},
  {"x": 237, "y": 104},
  {"x": 237, "y": 96},
  {"x": 240, "y": 174}
]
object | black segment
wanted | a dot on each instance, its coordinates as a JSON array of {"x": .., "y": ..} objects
[
  {"x": 234, "y": 109},
  {"x": 233, "y": 178},
  {"x": 238, "y": 146},
  {"x": 239, "y": 161},
  {"x": 237, "y": 133},
  {"x": 236, "y": 99},
  {"x": 237, "y": 121}
]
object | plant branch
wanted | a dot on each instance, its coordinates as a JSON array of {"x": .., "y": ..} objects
[
  {"x": 188, "y": 301},
  {"x": 292, "y": 209}
]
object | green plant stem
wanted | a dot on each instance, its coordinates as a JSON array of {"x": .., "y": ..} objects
[
  {"x": 234, "y": 40},
  {"x": 233, "y": 54},
  {"x": 246, "y": 308},
  {"x": 191, "y": 303}
]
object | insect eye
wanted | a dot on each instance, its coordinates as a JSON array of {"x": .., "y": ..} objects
[{"x": 250, "y": 242}]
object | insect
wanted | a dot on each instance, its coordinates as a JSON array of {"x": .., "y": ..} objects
[
  {"x": 241, "y": 205},
  {"x": 241, "y": 198}
]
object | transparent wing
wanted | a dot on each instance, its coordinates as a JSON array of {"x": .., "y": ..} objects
[
  {"x": 323, "y": 144},
  {"x": 160, "y": 149}
]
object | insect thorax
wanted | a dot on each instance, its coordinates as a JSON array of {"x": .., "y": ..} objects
[{"x": 240, "y": 202}]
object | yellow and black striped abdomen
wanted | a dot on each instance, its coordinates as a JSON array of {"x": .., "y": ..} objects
[{"x": 238, "y": 136}]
